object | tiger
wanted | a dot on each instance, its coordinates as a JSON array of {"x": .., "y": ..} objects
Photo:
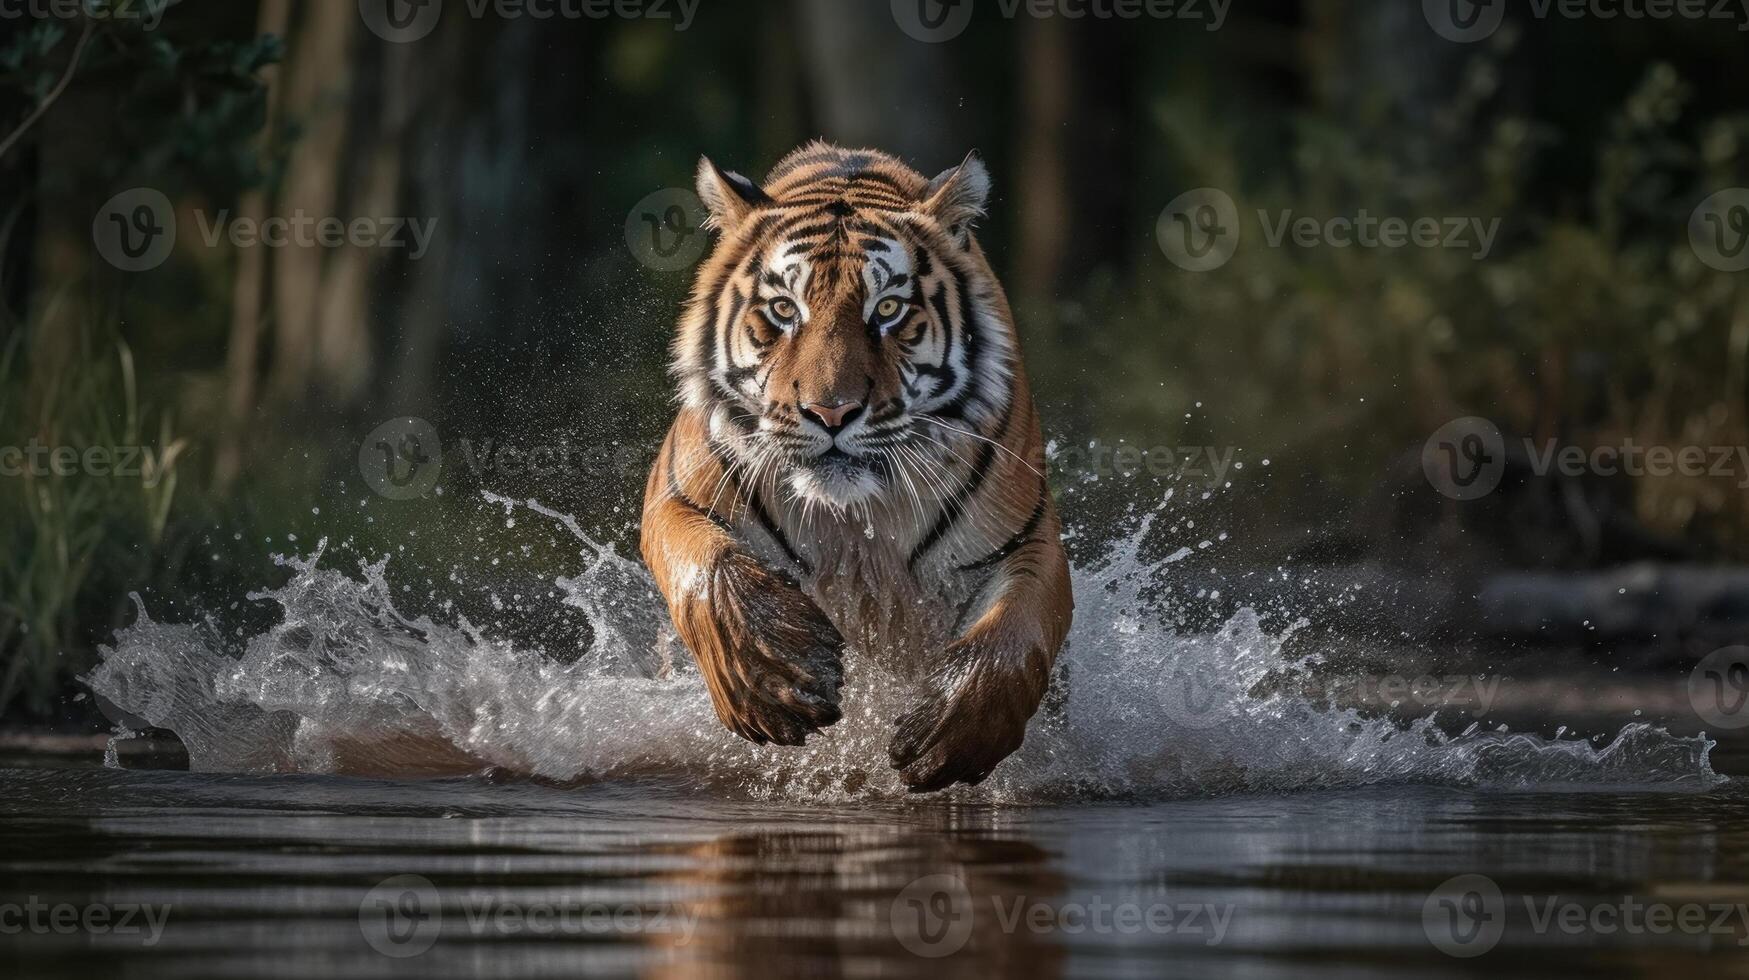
[{"x": 856, "y": 466}]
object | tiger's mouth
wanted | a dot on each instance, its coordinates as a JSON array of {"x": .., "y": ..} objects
[
  {"x": 836, "y": 461},
  {"x": 837, "y": 477}
]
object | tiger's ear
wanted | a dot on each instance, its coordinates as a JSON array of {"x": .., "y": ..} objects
[
  {"x": 727, "y": 195},
  {"x": 956, "y": 197}
]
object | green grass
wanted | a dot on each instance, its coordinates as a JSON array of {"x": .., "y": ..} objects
[{"x": 71, "y": 538}]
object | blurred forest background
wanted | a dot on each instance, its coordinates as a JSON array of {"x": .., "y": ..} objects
[{"x": 255, "y": 373}]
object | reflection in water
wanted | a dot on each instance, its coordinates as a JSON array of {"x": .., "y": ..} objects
[{"x": 320, "y": 875}]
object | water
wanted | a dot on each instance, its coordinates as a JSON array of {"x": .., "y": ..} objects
[
  {"x": 1177, "y": 811},
  {"x": 284, "y": 876},
  {"x": 346, "y": 682}
]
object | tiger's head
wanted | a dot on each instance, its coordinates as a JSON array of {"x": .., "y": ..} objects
[{"x": 846, "y": 321}]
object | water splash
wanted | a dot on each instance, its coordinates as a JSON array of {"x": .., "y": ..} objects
[{"x": 345, "y": 681}]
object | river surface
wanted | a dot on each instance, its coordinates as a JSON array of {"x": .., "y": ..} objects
[
  {"x": 1202, "y": 796},
  {"x": 309, "y": 875}
]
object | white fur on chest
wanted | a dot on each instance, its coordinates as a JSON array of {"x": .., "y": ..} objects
[{"x": 899, "y": 618}]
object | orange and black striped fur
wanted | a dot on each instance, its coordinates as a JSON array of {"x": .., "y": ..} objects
[{"x": 857, "y": 465}]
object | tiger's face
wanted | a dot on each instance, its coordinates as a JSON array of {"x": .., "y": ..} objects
[{"x": 840, "y": 332}]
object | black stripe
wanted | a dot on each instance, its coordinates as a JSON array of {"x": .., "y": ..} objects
[
  {"x": 734, "y": 376},
  {"x": 955, "y": 507},
  {"x": 707, "y": 337},
  {"x": 707, "y": 341},
  {"x": 1014, "y": 544},
  {"x": 720, "y": 355},
  {"x": 957, "y": 407},
  {"x": 939, "y": 301},
  {"x": 680, "y": 494},
  {"x": 760, "y": 514},
  {"x": 809, "y": 231}
]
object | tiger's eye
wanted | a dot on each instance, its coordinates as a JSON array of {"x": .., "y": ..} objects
[
  {"x": 888, "y": 308},
  {"x": 783, "y": 309}
]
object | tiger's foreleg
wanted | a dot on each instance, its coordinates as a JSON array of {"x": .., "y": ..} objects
[
  {"x": 992, "y": 678},
  {"x": 771, "y": 659}
]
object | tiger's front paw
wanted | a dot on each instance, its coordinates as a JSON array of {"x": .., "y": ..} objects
[
  {"x": 972, "y": 718},
  {"x": 775, "y": 662}
]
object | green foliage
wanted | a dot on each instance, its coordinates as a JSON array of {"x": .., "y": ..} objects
[
  {"x": 1591, "y": 327},
  {"x": 75, "y": 538}
]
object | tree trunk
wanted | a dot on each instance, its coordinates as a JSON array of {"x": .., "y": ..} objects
[{"x": 248, "y": 299}]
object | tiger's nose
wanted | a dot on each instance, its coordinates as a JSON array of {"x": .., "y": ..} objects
[{"x": 833, "y": 418}]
